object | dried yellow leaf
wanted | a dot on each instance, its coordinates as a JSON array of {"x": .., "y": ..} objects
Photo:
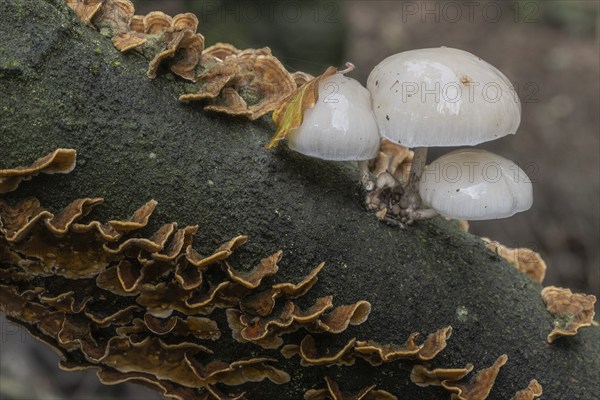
[{"x": 290, "y": 114}]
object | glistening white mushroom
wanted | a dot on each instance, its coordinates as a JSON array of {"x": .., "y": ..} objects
[
  {"x": 341, "y": 126},
  {"x": 475, "y": 184},
  {"x": 440, "y": 97}
]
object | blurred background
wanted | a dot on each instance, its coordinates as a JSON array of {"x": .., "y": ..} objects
[{"x": 548, "y": 49}]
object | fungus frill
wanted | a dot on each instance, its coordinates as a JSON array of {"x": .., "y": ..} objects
[
  {"x": 309, "y": 355},
  {"x": 85, "y": 9},
  {"x": 267, "y": 331},
  {"x": 531, "y": 392},
  {"x": 571, "y": 311},
  {"x": 333, "y": 392},
  {"x": 525, "y": 260},
  {"x": 60, "y": 161},
  {"x": 109, "y": 294},
  {"x": 480, "y": 386},
  {"x": 372, "y": 352},
  {"x": 423, "y": 376},
  {"x": 249, "y": 83}
]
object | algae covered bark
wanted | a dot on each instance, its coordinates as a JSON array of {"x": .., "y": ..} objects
[{"x": 65, "y": 86}]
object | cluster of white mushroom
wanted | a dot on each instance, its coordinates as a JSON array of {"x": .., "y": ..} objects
[{"x": 418, "y": 99}]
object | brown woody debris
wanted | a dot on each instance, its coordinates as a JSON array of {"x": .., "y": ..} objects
[
  {"x": 531, "y": 392},
  {"x": 525, "y": 260},
  {"x": 571, "y": 311},
  {"x": 480, "y": 386},
  {"x": 333, "y": 392},
  {"x": 423, "y": 376},
  {"x": 60, "y": 161}
]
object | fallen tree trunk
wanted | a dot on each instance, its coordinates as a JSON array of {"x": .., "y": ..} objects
[{"x": 65, "y": 86}]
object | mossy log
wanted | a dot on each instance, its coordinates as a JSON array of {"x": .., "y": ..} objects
[{"x": 62, "y": 85}]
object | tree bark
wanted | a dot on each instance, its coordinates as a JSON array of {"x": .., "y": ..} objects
[{"x": 64, "y": 85}]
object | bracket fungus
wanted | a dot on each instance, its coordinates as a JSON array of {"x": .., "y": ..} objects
[
  {"x": 137, "y": 300},
  {"x": 531, "y": 392},
  {"x": 418, "y": 102},
  {"x": 423, "y": 376},
  {"x": 129, "y": 305},
  {"x": 333, "y": 392},
  {"x": 480, "y": 386},
  {"x": 571, "y": 311},
  {"x": 60, "y": 161},
  {"x": 525, "y": 260},
  {"x": 474, "y": 184}
]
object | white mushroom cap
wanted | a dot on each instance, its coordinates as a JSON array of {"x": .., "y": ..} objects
[
  {"x": 475, "y": 184},
  {"x": 442, "y": 97},
  {"x": 341, "y": 126}
]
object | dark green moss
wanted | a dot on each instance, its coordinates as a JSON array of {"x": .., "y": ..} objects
[{"x": 136, "y": 142}]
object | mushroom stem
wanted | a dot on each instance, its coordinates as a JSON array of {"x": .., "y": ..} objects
[
  {"x": 423, "y": 213},
  {"x": 411, "y": 199},
  {"x": 365, "y": 176}
]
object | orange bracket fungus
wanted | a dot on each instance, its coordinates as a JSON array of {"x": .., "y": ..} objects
[{"x": 571, "y": 311}]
